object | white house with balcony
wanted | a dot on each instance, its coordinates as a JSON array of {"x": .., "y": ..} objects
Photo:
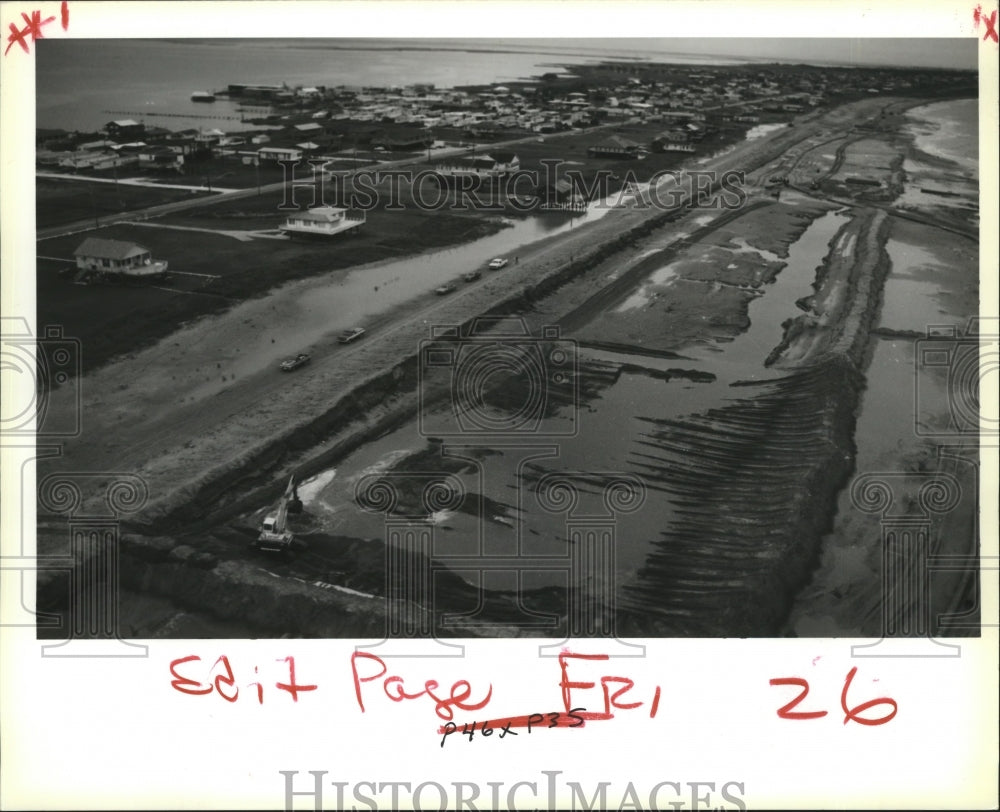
[{"x": 324, "y": 221}]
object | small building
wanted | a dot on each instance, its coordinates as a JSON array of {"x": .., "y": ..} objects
[
  {"x": 310, "y": 129},
  {"x": 124, "y": 129},
  {"x": 560, "y": 195},
  {"x": 404, "y": 142},
  {"x": 117, "y": 258},
  {"x": 614, "y": 147},
  {"x": 98, "y": 146},
  {"x": 279, "y": 154},
  {"x": 324, "y": 221},
  {"x": 206, "y": 139},
  {"x": 490, "y": 167},
  {"x": 668, "y": 146},
  {"x": 160, "y": 158},
  {"x": 184, "y": 140},
  {"x": 675, "y": 135}
]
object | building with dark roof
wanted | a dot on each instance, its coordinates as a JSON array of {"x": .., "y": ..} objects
[
  {"x": 614, "y": 147},
  {"x": 117, "y": 258}
]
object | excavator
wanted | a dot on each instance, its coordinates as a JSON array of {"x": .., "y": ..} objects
[{"x": 274, "y": 533}]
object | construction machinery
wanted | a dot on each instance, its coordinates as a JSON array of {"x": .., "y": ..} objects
[{"x": 274, "y": 533}]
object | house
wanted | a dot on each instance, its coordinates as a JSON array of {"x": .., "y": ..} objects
[
  {"x": 160, "y": 158},
  {"x": 484, "y": 167},
  {"x": 311, "y": 129},
  {"x": 124, "y": 129},
  {"x": 98, "y": 146},
  {"x": 404, "y": 142},
  {"x": 560, "y": 195},
  {"x": 117, "y": 258},
  {"x": 324, "y": 221},
  {"x": 504, "y": 161},
  {"x": 96, "y": 160},
  {"x": 675, "y": 135},
  {"x": 614, "y": 147},
  {"x": 209, "y": 138},
  {"x": 184, "y": 140},
  {"x": 279, "y": 154}
]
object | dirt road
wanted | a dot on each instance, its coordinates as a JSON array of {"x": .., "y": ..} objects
[{"x": 146, "y": 414}]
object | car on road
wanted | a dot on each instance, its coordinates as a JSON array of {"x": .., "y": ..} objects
[
  {"x": 444, "y": 290},
  {"x": 497, "y": 264},
  {"x": 471, "y": 276},
  {"x": 294, "y": 363},
  {"x": 350, "y": 334}
]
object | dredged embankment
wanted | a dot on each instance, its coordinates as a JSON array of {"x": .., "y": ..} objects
[
  {"x": 756, "y": 481},
  {"x": 384, "y": 398}
]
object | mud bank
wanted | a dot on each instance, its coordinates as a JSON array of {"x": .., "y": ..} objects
[
  {"x": 841, "y": 313},
  {"x": 386, "y": 398},
  {"x": 229, "y": 592},
  {"x": 754, "y": 484}
]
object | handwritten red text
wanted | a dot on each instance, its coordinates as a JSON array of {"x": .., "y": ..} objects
[
  {"x": 224, "y": 681},
  {"x": 32, "y": 31},
  {"x": 851, "y": 714}
]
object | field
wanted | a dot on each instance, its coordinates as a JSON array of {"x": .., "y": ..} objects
[
  {"x": 210, "y": 272},
  {"x": 65, "y": 201}
]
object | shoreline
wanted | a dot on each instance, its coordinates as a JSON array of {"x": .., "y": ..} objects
[{"x": 555, "y": 273}]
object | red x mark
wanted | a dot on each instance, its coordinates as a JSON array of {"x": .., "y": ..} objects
[
  {"x": 990, "y": 22},
  {"x": 32, "y": 27}
]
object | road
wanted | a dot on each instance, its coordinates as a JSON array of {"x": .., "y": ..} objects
[
  {"x": 89, "y": 224},
  {"x": 177, "y": 445}
]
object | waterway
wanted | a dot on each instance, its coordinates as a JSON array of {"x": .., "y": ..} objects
[
  {"x": 910, "y": 409},
  {"x": 602, "y": 434}
]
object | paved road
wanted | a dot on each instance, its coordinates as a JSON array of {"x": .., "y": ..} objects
[
  {"x": 249, "y": 409},
  {"x": 89, "y": 223}
]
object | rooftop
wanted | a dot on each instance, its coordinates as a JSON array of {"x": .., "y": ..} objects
[{"x": 108, "y": 249}]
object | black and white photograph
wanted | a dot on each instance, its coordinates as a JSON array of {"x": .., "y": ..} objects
[
  {"x": 642, "y": 338},
  {"x": 562, "y": 340}
]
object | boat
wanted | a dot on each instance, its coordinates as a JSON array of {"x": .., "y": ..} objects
[{"x": 202, "y": 96}]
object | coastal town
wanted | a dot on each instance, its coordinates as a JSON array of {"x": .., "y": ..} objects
[
  {"x": 271, "y": 308},
  {"x": 605, "y": 125}
]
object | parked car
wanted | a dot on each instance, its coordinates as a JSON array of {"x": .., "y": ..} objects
[
  {"x": 444, "y": 289},
  {"x": 471, "y": 276},
  {"x": 294, "y": 363},
  {"x": 351, "y": 334},
  {"x": 497, "y": 264}
]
